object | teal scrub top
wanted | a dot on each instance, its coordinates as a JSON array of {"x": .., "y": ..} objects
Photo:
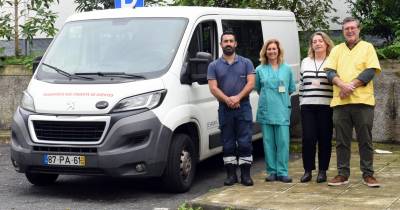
[{"x": 274, "y": 102}]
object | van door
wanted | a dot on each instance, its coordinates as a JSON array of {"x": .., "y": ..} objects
[{"x": 204, "y": 39}]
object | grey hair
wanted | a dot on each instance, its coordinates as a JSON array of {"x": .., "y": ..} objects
[{"x": 351, "y": 19}]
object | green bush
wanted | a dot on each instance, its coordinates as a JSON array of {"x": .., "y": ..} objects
[
  {"x": 303, "y": 39},
  {"x": 390, "y": 52},
  {"x": 185, "y": 206},
  {"x": 1, "y": 57},
  {"x": 26, "y": 60}
]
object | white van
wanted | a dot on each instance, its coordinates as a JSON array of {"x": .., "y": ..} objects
[{"x": 123, "y": 92}]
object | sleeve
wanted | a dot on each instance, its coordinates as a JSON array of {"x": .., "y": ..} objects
[
  {"x": 367, "y": 75},
  {"x": 332, "y": 60},
  {"x": 211, "y": 75},
  {"x": 257, "y": 86},
  {"x": 372, "y": 59},
  {"x": 330, "y": 74},
  {"x": 249, "y": 67},
  {"x": 292, "y": 84}
]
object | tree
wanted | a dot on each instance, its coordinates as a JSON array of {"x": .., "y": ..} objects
[
  {"x": 6, "y": 27},
  {"x": 378, "y": 17},
  {"x": 89, "y": 5},
  {"x": 310, "y": 14},
  {"x": 38, "y": 19}
]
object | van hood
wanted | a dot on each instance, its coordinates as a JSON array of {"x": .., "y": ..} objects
[{"x": 50, "y": 98}]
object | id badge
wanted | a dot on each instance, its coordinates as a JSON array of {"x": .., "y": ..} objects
[
  {"x": 316, "y": 83},
  {"x": 281, "y": 89}
]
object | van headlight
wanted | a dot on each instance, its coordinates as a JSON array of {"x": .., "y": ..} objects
[
  {"x": 27, "y": 102},
  {"x": 143, "y": 101}
]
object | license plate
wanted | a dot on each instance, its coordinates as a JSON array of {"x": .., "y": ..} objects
[{"x": 64, "y": 160}]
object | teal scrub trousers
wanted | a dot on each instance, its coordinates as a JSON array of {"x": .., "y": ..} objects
[{"x": 276, "y": 147}]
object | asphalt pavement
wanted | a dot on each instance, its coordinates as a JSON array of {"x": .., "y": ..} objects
[{"x": 86, "y": 192}]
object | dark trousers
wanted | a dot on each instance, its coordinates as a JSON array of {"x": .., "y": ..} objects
[
  {"x": 317, "y": 130},
  {"x": 360, "y": 117},
  {"x": 236, "y": 130}
]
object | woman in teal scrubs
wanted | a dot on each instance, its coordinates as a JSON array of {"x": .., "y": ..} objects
[{"x": 274, "y": 84}]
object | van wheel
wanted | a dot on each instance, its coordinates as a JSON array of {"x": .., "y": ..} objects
[
  {"x": 40, "y": 179},
  {"x": 181, "y": 166}
]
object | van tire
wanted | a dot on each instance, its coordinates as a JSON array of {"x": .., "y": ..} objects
[
  {"x": 40, "y": 179},
  {"x": 181, "y": 166}
]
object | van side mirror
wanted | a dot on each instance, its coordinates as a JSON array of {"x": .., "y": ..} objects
[
  {"x": 198, "y": 67},
  {"x": 35, "y": 63}
]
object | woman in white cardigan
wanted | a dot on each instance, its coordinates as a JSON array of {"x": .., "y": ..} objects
[{"x": 316, "y": 113}]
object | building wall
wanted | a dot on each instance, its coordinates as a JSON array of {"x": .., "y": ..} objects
[
  {"x": 343, "y": 10},
  {"x": 65, "y": 9}
]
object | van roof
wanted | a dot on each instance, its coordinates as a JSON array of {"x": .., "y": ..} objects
[{"x": 176, "y": 11}]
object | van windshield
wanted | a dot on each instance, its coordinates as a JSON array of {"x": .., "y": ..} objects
[{"x": 143, "y": 47}]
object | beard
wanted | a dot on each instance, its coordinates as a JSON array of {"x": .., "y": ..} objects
[{"x": 228, "y": 50}]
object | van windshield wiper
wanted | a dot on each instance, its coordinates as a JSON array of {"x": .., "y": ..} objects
[
  {"x": 113, "y": 74},
  {"x": 70, "y": 76}
]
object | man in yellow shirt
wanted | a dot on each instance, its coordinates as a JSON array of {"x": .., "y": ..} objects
[{"x": 351, "y": 67}]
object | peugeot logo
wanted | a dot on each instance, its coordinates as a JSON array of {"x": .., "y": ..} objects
[{"x": 102, "y": 104}]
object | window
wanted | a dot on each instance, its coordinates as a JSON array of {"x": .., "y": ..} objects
[
  {"x": 204, "y": 39},
  {"x": 129, "y": 45},
  {"x": 249, "y": 37}
]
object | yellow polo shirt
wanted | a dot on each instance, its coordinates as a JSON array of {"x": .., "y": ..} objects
[{"x": 349, "y": 64}]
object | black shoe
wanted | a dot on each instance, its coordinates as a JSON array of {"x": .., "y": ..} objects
[
  {"x": 306, "y": 177},
  {"x": 285, "y": 179},
  {"x": 245, "y": 175},
  {"x": 231, "y": 177},
  {"x": 271, "y": 178},
  {"x": 321, "y": 177}
]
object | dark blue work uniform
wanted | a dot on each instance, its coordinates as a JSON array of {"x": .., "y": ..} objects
[{"x": 235, "y": 124}]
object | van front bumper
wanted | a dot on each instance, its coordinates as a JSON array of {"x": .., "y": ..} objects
[{"x": 135, "y": 144}]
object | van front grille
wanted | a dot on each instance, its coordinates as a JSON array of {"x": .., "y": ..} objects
[
  {"x": 66, "y": 170},
  {"x": 74, "y": 131},
  {"x": 80, "y": 150}
]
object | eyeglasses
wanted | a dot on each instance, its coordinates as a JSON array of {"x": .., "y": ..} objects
[{"x": 352, "y": 28}]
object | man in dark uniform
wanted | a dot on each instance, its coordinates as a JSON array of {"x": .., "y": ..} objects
[{"x": 231, "y": 78}]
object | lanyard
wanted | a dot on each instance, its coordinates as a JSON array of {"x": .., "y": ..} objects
[{"x": 317, "y": 69}]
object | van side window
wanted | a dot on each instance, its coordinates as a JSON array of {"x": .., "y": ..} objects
[
  {"x": 249, "y": 37},
  {"x": 204, "y": 39}
]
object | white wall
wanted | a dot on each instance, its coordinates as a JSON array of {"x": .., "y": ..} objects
[
  {"x": 343, "y": 10},
  {"x": 64, "y": 9}
]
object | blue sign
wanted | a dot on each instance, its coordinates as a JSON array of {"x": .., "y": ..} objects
[{"x": 128, "y": 3}]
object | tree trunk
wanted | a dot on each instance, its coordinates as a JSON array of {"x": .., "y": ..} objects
[{"x": 16, "y": 35}]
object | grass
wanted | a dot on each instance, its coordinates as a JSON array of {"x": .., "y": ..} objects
[
  {"x": 27, "y": 61},
  {"x": 186, "y": 206}
]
